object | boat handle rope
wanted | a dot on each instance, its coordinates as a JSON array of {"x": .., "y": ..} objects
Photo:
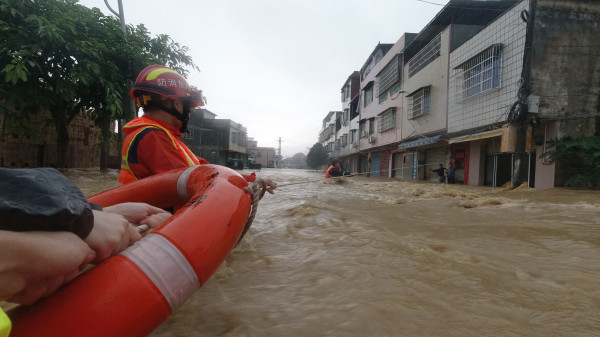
[{"x": 258, "y": 189}]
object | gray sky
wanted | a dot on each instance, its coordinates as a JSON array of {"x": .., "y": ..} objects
[{"x": 277, "y": 66}]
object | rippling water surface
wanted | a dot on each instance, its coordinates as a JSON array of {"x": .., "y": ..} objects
[{"x": 381, "y": 257}]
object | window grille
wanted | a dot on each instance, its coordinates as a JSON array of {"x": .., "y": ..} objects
[
  {"x": 387, "y": 120},
  {"x": 418, "y": 102},
  {"x": 389, "y": 75},
  {"x": 479, "y": 74},
  {"x": 425, "y": 56}
]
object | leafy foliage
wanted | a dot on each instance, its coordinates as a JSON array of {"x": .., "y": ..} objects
[
  {"x": 316, "y": 157},
  {"x": 578, "y": 159},
  {"x": 68, "y": 59}
]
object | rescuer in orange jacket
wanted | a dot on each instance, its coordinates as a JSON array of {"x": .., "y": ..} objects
[
  {"x": 152, "y": 143},
  {"x": 334, "y": 169}
]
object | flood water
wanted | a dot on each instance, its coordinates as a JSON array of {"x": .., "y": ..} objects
[{"x": 382, "y": 257}]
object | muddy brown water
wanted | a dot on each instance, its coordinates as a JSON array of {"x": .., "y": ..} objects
[{"x": 382, "y": 257}]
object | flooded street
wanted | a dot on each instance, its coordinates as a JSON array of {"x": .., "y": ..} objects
[{"x": 382, "y": 257}]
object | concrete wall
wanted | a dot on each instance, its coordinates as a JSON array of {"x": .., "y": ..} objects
[{"x": 566, "y": 64}]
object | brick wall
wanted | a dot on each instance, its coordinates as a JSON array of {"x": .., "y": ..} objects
[{"x": 39, "y": 149}]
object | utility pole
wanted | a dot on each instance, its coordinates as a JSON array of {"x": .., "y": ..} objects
[
  {"x": 129, "y": 100},
  {"x": 278, "y": 157},
  {"x": 521, "y": 116},
  {"x": 121, "y": 15}
]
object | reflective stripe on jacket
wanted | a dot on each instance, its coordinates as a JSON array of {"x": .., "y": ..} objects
[{"x": 136, "y": 129}]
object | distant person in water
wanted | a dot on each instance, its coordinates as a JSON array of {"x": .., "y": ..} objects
[
  {"x": 334, "y": 170},
  {"x": 441, "y": 172}
]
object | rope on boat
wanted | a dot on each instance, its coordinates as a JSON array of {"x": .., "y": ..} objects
[
  {"x": 142, "y": 228},
  {"x": 258, "y": 189}
]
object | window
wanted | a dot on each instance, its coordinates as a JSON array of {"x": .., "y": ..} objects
[
  {"x": 479, "y": 74},
  {"x": 418, "y": 102},
  {"x": 368, "y": 93},
  {"x": 346, "y": 92},
  {"x": 258, "y": 154},
  {"x": 189, "y": 134},
  {"x": 425, "y": 56},
  {"x": 344, "y": 140},
  {"x": 362, "y": 128},
  {"x": 353, "y": 138},
  {"x": 371, "y": 125},
  {"x": 389, "y": 76},
  {"x": 387, "y": 120}
]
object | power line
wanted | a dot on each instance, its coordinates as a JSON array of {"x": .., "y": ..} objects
[{"x": 432, "y": 3}]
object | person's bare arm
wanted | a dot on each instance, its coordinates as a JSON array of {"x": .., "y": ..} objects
[{"x": 34, "y": 264}]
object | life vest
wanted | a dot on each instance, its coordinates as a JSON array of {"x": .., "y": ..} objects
[
  {"x": 136, "y": 128},
  {"x": 132, "y": 293}
]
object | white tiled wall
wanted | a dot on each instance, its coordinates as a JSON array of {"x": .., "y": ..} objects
[{"x": 491, "y": 106}]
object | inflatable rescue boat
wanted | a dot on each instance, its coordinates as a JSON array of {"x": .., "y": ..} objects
[{"x": 132, "y": 293}]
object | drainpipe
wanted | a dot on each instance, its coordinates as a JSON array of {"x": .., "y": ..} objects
[{"x": 520, "y": 155}]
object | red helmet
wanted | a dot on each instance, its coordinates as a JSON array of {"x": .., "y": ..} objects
[{"x": 158, "y": 79}]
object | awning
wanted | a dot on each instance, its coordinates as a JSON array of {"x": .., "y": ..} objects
[
  {"x": 476, "y": 136},
  {"x": 418, "y": 142}
]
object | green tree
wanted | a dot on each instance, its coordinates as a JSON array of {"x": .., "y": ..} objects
[
  {"x": 577, "y": 160},
  {"x": 67, "y": 59},
  {"x": 316, "y": 157},
  {"x": 48, "y": 60}
]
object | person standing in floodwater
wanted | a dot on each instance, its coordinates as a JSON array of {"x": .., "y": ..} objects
[
  {"x": 451, "y": 174},
  {"x": 441, "y": 173}
]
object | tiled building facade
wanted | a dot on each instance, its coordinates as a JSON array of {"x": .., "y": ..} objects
[{"x": 483, "y": 87}]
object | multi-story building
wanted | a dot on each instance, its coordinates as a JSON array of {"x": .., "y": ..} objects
[
  {"x": 484, "y": 86},
  {"x": 485, "y": 75},
  {"x": 369, "y": 111},
  {"x": 220, "y": 141},
  {"x": 327, "y": 136},
  {"x": 513, "y": 87},
  {"x": 347, "y": 151},
  {"x": 265, "y": 156},
  {"x": 426, "y": 73}
]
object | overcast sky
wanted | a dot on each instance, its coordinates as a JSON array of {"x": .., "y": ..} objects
[{"x": 277, "y": 66}]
